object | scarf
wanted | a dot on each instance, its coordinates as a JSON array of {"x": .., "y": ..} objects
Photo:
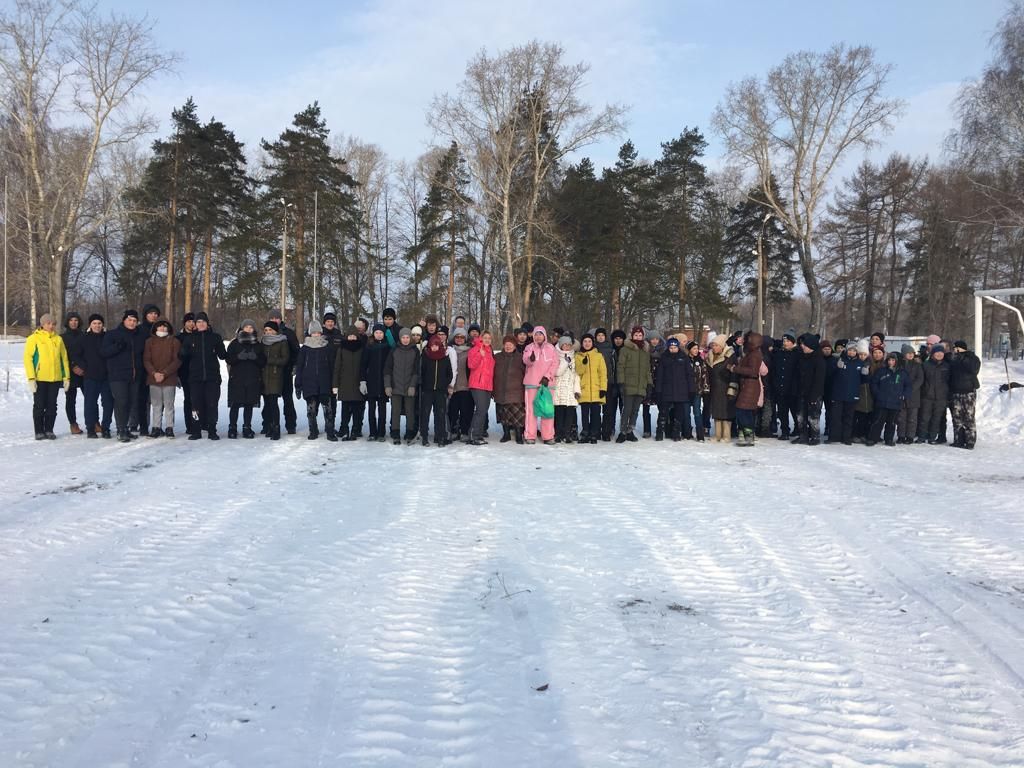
[
  {"x": 269, "y": 339},
  {"x": 315, "y": 342}
]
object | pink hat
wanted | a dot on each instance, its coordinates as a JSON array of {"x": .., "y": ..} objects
[
  {"x": 933, "y": 339},
  {"x": 540, "y": 329}
]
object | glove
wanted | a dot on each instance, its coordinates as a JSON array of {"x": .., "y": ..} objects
[
  {"x": 362, "y": 388},
  {"x": 577, "y": 396},
  {"x": 865, "y": 370},
  {"x": 603, "y": 393},
  {"x": 533, "y": 357},
  {"x": 334, "y": 391},
  {"x": 586, "y": 361},
  {"x": 298, "y": 394},
  {"x": 841, "y": 365},
  {"x": 387, "y": 391},
  {"x": 32, "y": 386},
  {"x": 411, "y": 392},
  {"x": 544, "y": 381},
  {"x": 77, "y": 370},
  {"x": 67, "y": 384}
]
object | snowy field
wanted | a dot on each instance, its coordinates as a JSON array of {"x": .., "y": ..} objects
[{"x": 298, "y": 604}]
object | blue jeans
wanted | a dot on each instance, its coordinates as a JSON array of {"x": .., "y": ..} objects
[
  {"x": 96, "y": 392},
  {"x": 698, "y": 418}
]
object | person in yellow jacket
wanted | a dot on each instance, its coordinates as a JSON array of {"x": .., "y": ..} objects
[
  {"x": 593, "y": 373},
  {"x": 48, "y": 371}
]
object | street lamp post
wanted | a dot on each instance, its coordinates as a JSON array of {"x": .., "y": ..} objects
[
  {"x": 760, "y": 274},
  {"x": 284, "y": 258}
]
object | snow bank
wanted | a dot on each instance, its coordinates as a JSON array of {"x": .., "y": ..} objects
[{"x": 1000, "y": 415}]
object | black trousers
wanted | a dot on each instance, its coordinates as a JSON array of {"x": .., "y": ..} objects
[
  {"x": 44, "y": 405},
  {"x": 378, "y": 416},
  {"x": 612, "y": 407},
  {"x": 246, "y": 415},
  {"x": 808, "y": 420},
  {"x": 931, "y": 421},
  {"x": 884, "y": 418},
  {"x": 841, "y": 428},
  {"x": 126, "y": 404},
  {"x": 96, "y": 392},
  {"x": 288, "y": 398},
  {"x": 271, "y": 411},
  {"x": 400, "y": 403},
  {"x": 205, "y": 402},
  {"x": 787, "y": 407},
  {"x": 351, "y": 413},
  {"x": 460, "y": 412},
  {"x": 143, "y": 406},
  {"x": 71, "y": 400},
  {"x": 630, "y": 410},
  {"x": 590, "y": 420},
  {"x": 565, "y": 422},
  {"x": 438, "y": 403},
  {"x": 186, "y": 394},
  {"x": 674, "y": 418}
]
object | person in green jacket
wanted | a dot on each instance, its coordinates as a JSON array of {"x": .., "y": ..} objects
[
  {"x": 48, "y": 371},
  {"x": 634, "y": 378},
  {"x": 278, "y": 353}
]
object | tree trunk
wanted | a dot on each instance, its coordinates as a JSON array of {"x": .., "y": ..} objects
[
  {"x": 207, "y": 268},
  {"x": 190, "y": 249},
  {"x": 451, "y": 269},
  {"x": 169, "y": 287},
  {"x": 811, "y": 281}
]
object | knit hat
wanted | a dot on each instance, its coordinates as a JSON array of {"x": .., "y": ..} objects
[
  {"x": 163, "y": 324},
  {"x": 878, "y": 348},
  {"x": 96, "y": 316},
  {"x": 474, "y": 326},
  {"x": 275, "y": 314},
  {"x": 563, "y": 340},
  {"x": 906, "y": 349},
  {"x": 246, "y": 321},
  {"x": 600, "y": 330},
  {"x": 618, "y": 333},
  {"x": 460, "y": 332},
  {"x": 652, "y": 335},
  {"x": 811, "y": 340},
  {"x": 960, "y": 344},
  {"x": 129, "y": 313},
  {"x": 330, "y": 316},
  {"x": 378, "y": 327},
  {"x": 272, "y": 325},
  {"x": 687, "y": 346},
  {"x": 893, "y": 356},
  {"x": 46, "y": 317},
  {"x": 863, "y": 347},
  {"x": 150, "y": 308},
  {"x": 673, "y": 342},
  {"x": 443, "y": 329},
  {"x": 188, "y": 316},
  {"x": 637, "y": 329},
  {"x": 825, "y": 343},
  {"x": 416, "y": 331},
  {"x": 528, "y": 327},
  {"x": 587, "y": 335},
  {"x": 933, "y": 339},
  {"x": 938, "y": 348},
  {"x": 879, "y": 334},
  {"x": 405, "y": 333},
  {"x": 203, "y": 316},
  {"x": 841, "y": 343},
  {"x": 314, "y": 327},
  {"x": 791, "y": 335},
  {"x": 389, "y": 312}
]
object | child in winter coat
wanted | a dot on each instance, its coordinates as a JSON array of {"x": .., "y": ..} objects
[
  {"x": 593, "y": 373},
  {"x": 162, "y": 357},
  {"x": 401, "y": 379},
  {"x": 313, "y": 379},
  {"x": 371, "y": 385},
  {"x": 566, "y": 392},
  {"x": 906, "y": 422},
  {"x": 851, "y": 370},
  {"x": 701, "y": 388},
  {"x": 674, "y": 388},
  {"x": 810, "y": 389},
  {"x": 656, "y": 347},
  {"x": 436, "y": 384},
  {"x": 541, "y": 361},
  {"x": 278, "y": 353},
  {"x": 934, "y": 397},
  {"x": 348, "y": 372},
  {"x": 246, "y": 360},
  {"x": 890, "y": 388},
  {"x": 634, "y": 375}
]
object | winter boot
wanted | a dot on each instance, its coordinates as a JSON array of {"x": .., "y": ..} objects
[
  {"x": 232, "y": 432},
  {"x": 154, "y": 432},
  {"x": 92, "y": 435},
  {"x": 506, "y": 435},
  {"x": 40, "y": 435},
  {"x": 621, "y": 438},
  {"x": 247, "y": 432},
  {"x": 122, "y": 436},
  {"x": 169, "y": 432},
  {"x": 105, "y": 433},
  {"x": 75, "y": 429},
  {"x": 314, "y": 432},
  {"x": 519, "y": 437},
  {"x": 212, "y": 435}
]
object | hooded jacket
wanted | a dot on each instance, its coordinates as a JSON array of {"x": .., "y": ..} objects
[
  {"x": 402, "y": 369},
  {"x": 890, "y": 387},
  {"x": 203, "y": 350},
  {"x": 634, "y": 369},
  {"x": 936, "y": 380},
  {"x": 246, "y": 359},
  {"x": 850, "y": 372},
  {"x": 567, "y": 380},
  {"x": 73, "y": 341},
  {"x": 314, "y": 368},
  {"x": 541, "y": 361},
  {"x": 810, "y": 376},
  {"x": 123, "y": 350},
  {"x": 480, "y": 362},
  {"x": 46, "y": 359},
  {"x": 593, "y": 373},
  {"x": 751, "y": 394},
  {"x": 915, "y": 374},
  {"x": 963, "y": 373},
  {"x": 723, "y": 407},
  {"x": 348, "y": 369},
  {"x": 93, "y": 362},
  {"x": 673, "y": 380}
]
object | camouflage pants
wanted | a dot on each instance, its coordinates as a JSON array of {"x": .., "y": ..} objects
[{"x": 961, "y": 408}]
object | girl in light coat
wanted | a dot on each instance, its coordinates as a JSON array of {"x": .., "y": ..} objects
[{"x": 566, "y": 393}]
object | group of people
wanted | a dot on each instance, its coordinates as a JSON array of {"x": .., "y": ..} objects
[{"x": 557, "y": 387}]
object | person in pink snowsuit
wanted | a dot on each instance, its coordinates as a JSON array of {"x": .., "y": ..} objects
[{"x": 541, "y": 361}]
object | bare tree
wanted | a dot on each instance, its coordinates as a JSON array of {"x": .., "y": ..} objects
[
  {"x": 516, "y": 115},
  {"x": 797, "y": 124},
  {"x": 63, "y": 64},
  {"x": 368, "y": 165}
]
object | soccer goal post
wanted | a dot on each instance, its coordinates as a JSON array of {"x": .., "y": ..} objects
[{"x": 980, "y": 297}]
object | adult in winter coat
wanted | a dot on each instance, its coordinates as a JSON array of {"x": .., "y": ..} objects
[
  {"x": 314, "y": 374},
  {"x": 246, "y": 360},
  {"x": 48, "y": 371},
  {"x": 845, "y": 393},
  {"x": 566, "y": 392},
  {"x": 460, "y": 404},
  {"x": 723, "y": 381},
  {"x": 188, "y": 326},
  {"x": 348, "y": 371},
  {"x": 480, "y": 364},
  {"x": 906, "y": 422},
  {"x": 656, "y": 346},
  {"x": 750, "y": 369},
  {"x": 890, "y": 388},
  {"x": 72, "y": 337},
  {"x": 123, "y": 348},
  {"x": 635, "y": 380},
  {"x": 204, "y": 349},
  {"x": 810, "y": 387},
  {"x": 287, "y": 403},
  {"x": 675, "y": 388},
  {"x": 277, "y": 354},
  {"x": 934, "y": 397},
  {"x": 150, "y": 315},
  {"x": 784, "y": 395},
  {"x": 701, "y": 389},
  {"x": 613, "y": 402},
  {"x": 509, "y": 393},
  {"x": 375, "y": 356},
  {"x": 94, "y": 381},
  {"x": 592, "y": 369},
  {"x": 436, "y": 384},
  {"x": 161, "y": 357},
  {"x": 963, "y": 388},
  {"x": 401, "y": 380},
  {"x": 541, "y": 361}
]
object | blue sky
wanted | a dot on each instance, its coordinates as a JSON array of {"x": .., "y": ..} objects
[{"x": 374, "y": 66}]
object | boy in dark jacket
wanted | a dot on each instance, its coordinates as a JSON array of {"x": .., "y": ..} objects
[
  {"x": 94, "y": 380},
  {"x": 203, "y": 350},
  {"x": 435, "y": 385},
  {"x": 314, "y": 373},
  {"x": 783, "y": 377},
  {"x": 850, "y": 370},
  {"x": 810, "y": 386},
  {"x": 674, "y": 388},
  {"x": 401, "y": 379},
  {"x": 348, "y": 371},
  {"x": 934, "y": 397},
  {"x": 963, "y": 387},
  {"x": 123, "y": 349},
  {"x": 613, "y": 401},
  {"x": 906, "y": 422},
  {"x": 246, "y": 359},
  {"x": 371, "y": 384},
  {"x": 73, "y": 337},
  {"x": 890, "y": 387}
]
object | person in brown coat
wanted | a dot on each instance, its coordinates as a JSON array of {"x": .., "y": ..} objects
[
  {"x": 509, "y": 395},
  {"x": 749, "y": 369},
  {"x": 161, "y": 361}
]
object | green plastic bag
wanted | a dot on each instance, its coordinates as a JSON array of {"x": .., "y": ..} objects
[{"x": 543, "y": 404}]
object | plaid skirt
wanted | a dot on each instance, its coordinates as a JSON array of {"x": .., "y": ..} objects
[{"x": 512, "y": 416}]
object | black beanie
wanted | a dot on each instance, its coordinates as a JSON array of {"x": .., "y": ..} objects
[
  {"x": 389, "y": 312},
  {"x": 961, "y": 344},
  {"x": 129, "y": 313},
  {"x": 96, "y": 316},
  {"x": 203, "y": 316},
  {"x": 272, "y": 324},
  {"x": 188, "y": 316},
  {"x": 618, "y": 333},
  {"x": 602, "y": 331}
]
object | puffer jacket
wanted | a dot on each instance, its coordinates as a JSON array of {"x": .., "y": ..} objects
[
  {"x": 46, "y": 358},
  {"x": 123, "y": 350},
  {"x": 567, "y": 382},
  {"x": 314, "y": 368},
  {"x": 509, "y": 371},
  {"x": 673, "y": 381},
  {"x": 634, "y": 369},
  {"x": 73, "y": 341},
  {"x": 810, "y": 377},
  {"x": 593, "y": 373},
  {"x": 203, "y": 351},
  {"x": 915, "y": 372},
  {"x": 963, "y": 373},
  {"x": 348, "y": 368},
  {"x": 375, "y": 357},
  {"x": 543, "y": 366},
  {"x": 890, "y": 387},
  {"x": 850, "y": 372},
  {"x": 246, "y": 359},
  {"x": 93, "y": 362},
  {"x": 480, "y": 362},
  {"x": 402, "y": 369},
  {"x": 936, "y": 381}
]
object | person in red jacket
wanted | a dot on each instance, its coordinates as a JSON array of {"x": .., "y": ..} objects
[{"x": 480, "y": 361}]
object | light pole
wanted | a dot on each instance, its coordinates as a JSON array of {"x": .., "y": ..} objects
[
  {"x": 284, "y": 259},
  {"x": 316, "y": 261},
  {"x": 760, "y": 274}
]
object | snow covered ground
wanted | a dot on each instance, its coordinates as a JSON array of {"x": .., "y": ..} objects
[{"x": 312, "y": 604}]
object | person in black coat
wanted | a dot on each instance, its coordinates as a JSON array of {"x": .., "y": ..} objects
[
  {"x": 95, "y": 386},
  {"x": 810, "y": 387},
  {"x": 188, "y": 326},
  {"x": 73, "y": 336},
  {"x": 371, "y": 382},
  {"x": 783, "y": 378},
  {"x": 890, "y": 388},
  {"x": 123, "y": 348},
  {"x": 150, "y": 314},
  {"x": 934, "y": 397},
  {"x": 963, "y": 387},
  {"x": 246, "y": 360},
  {"x": 314, "y": 379},
  {"x": 613, "y": 402},
  {"x": 203, "y": 350},
  {"x": 845, "y": 393},
  {"x": 674, "y": 389},
  {"x": 287, "y": 403},
  {"x": 435, "y": 387}
]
